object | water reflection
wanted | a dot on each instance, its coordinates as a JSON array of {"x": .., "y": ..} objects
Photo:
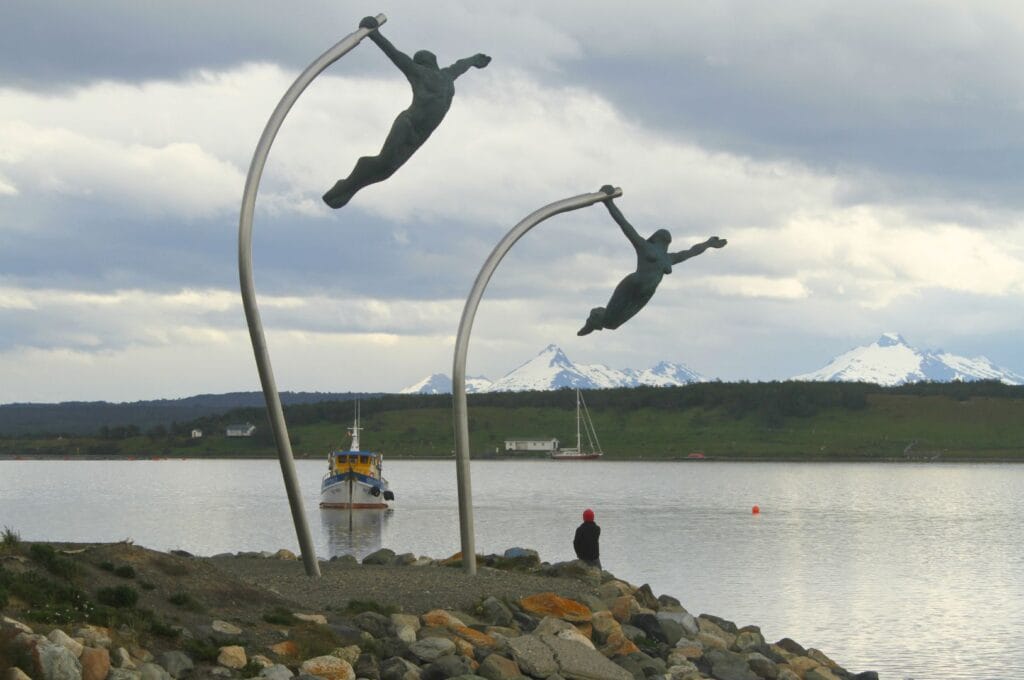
[{"x": 353, "y": 532}]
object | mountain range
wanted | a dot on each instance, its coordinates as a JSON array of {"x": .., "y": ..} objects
[
  {"x": 891, "y": 361},
  {"x": 887, "y": 361},
  {"x": 553, "y": 370}
]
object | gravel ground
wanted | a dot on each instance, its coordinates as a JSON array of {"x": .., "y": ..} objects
[{"x": 410, "y": 589}]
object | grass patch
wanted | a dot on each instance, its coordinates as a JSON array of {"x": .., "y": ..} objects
[
  {"x": 170, "y": 567},
  {"x": 47, "y": 601},
  {"x": 359, "y": 606},
  {"x": 280, "y": 616},
  {"x": 54, "y": 563},
  {"x": 157, "y": 627},
  {"x": 146, "y": 585},
  {"x": 119, "y": 597},
  {"x": 125, "y": 571},
  {"x": 185, "y": 601},
  {"x": 10, "y": 539}
]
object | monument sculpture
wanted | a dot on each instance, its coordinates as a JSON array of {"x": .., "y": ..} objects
[
  {"x": 432, "y": 91},
  {"x": 653, "y": 261}
]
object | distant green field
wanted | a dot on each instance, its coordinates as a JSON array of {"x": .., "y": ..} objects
[{"x": 884, "y": 425}]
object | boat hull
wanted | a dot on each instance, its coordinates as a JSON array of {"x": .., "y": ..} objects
[
  {"x": 574, "y": 455},
  {"x": 356, "y": 492}
]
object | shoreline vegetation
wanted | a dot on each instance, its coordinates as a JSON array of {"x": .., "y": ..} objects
[
  {"x": 117, "y": 611},
  {"x": 790, "y": 421}
]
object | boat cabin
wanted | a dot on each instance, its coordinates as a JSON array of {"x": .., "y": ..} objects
[{"x": 359, "y": 462}]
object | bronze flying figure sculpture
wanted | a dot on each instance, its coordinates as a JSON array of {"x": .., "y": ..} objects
[
  {"x": 653, "y": 261},
  {"x": 432, "y": 91}
]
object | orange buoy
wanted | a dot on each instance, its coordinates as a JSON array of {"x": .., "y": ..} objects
[{"x": 756, "y": 510}]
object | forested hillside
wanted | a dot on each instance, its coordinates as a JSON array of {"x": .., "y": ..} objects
[
  {"x": 88, "y": 417},
  {"x": 787, "y": 420}
]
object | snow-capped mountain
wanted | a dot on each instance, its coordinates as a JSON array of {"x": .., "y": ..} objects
[
  {"x": 439, "y": 383},
  {"x": 891, "y": 361},
  {"x": 552, "y": 370}
]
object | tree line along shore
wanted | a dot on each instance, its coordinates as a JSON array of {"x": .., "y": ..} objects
[{"x": 976, "y": 421}]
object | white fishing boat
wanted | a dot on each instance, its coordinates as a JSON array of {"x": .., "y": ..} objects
[
  {"x": 584, "y": 425},
  {"x": 354, "y": 479}
]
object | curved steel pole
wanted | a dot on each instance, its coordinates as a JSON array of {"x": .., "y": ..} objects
[
  {"x": 462, "y": 344},
  {"x": 252, "y": 313}
]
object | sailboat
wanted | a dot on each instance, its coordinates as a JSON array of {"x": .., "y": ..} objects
[
  {"x": 584, "y": 423},
  {"x": 354, "y": 479}
]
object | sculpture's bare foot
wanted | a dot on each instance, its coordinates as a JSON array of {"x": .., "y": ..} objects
[
  {"x": 339, "y": 195},
  {"x": 594, "y": 321}
]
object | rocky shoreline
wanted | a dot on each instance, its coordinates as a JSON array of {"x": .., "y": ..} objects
[{"x": 124, "y": 612}]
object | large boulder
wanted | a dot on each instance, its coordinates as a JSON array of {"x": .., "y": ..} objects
[
  {"x": 328, "y": 667},
  {"x": 550, "y": 604},
  {"x": 533, "y": 656},
  {"x": 383, "y": 556},
  {"x": 651, "y": 627},
  {"x": 580, "y": 662},
  {"x": 276, "y": 672},
  {"x": 95, "y": 663},
  {"x": 152, "y": 671},
  {"x": 645, "y": 598},
  {"x": 232, "y": 656},
  {"x": 498, "y": 667},
  {"x": 367, "y": 666},
  {"x": 373, "y": 623},
  {"x": 496, "y": 612},
  {"x": 432, "y": 648},
  {"x": 684, "y": 618},
  {"x": 562, "y": 629},
  {"x": 397, "y": 668},
  {"x": 726, "y": 665},
  {"x": 59, "y": 637},
  {"x": 440, "y": 618},
  {"x": 445, "y": 667},
  {"x": 177, "y": 664},
  {"x": 55, "y": 662}
]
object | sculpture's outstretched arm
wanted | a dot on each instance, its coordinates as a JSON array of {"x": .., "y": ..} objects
[
  {"x": 636, "y": 239},
  {"x": 713, "y": 242},
  {"x": 400, "y": 59},
  {"x": 463, "y": 65}
]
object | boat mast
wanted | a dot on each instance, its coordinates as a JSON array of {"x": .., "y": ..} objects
[
  {"x": 578, "y": 442},
  {"x": 354, "y": 430}
]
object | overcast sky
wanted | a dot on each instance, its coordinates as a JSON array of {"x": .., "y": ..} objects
[{"x": 864, "y": 160}]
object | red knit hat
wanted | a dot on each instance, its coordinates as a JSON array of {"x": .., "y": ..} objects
[{"x": 588, "y": 515}]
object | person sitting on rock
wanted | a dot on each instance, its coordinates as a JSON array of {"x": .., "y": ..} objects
[{"x": 585, "y": 543}]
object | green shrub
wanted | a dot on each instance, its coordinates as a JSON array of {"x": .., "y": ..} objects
[
  {"x": 202, "y": 650},
  {"x": 10, "y": 539},
  {"x": 125, "y": 571},
  {"x": 314, "y": 640},
  {"x": 106, "y": 566},
  {"x": 119, "y": 596},
  {"x": 54, "y": 563},
  {"x": 157, "y": 627},
  {"x": 185, "y": 601}
]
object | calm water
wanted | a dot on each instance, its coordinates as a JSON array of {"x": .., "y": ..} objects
[{"x": 911, "y": 570}]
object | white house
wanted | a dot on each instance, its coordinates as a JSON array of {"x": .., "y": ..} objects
[
  {"x": 531, "y": 444},
  {"x": 241, "y": 430},
  {"x": 197, "y": 434}
]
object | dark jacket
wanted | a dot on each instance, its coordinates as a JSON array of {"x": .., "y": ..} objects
[{"x": 585, "y": 542}]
